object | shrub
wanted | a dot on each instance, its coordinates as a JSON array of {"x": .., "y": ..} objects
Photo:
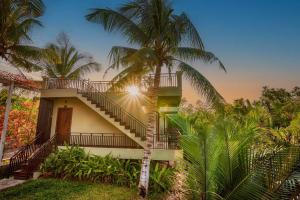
[{"x": 73, "y": 162}]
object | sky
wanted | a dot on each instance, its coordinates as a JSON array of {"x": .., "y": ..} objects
[{"x": 257, "y": 40}]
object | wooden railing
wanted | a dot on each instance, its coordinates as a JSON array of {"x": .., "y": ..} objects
[
  {"x": 23, "y": 154},
  {"x": 41, "y": 154},
  {"x": 100, "y": 140}
]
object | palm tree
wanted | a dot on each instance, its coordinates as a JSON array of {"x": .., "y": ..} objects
[
  {"x": 62, "y": 60},
  {"x": 17, "y": 19},
  {"x": 162, "y": 39}
]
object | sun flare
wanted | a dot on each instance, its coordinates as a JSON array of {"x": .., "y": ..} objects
[{"x": 133, "y": 90}]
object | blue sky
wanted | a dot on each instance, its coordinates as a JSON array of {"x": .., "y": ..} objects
[{"x": 257, "y": 40}]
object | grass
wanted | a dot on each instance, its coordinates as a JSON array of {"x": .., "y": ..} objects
[{"x": 54, "y": 189}]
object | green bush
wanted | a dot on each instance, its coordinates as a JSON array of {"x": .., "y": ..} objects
[{"x": 74, "y": 163}]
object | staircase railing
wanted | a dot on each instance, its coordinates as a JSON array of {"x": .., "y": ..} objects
[
  {"x": 114, "y": 110},
  {"x": 39, "y": 156},
  {"x": 23, "y": 154}
]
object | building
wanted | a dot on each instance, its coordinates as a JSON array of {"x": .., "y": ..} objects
[{"x": 106, "y": 119}]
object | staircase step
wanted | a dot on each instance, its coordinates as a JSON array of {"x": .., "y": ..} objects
[
  {"x": 117, "y": 120},
  {"x": 127, "y": 127},
  {"x": 22, "y": 174},
  {"x": 132, "y": 130}
]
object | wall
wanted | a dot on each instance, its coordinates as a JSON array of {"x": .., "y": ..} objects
[
  {"x": 135, "y": 105},
  {"x": 84, "y": 119},
  {"x": 123, "y": 153}
]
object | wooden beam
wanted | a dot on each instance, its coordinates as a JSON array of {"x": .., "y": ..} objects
[{"x": 5, "y": 122}]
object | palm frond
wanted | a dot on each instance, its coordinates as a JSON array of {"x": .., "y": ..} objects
[
  {"x": 191, "y": 33},
  {"x": 115, "y": 21},
  {"x": 34, "y": 8},
  {"x": 118, "y": 55},
  {"x": 200, "y": 83},
  {"x": 85, "y": 69},
  {"x": 61, "y": 59},
  {"x": 193, "y": 54}
]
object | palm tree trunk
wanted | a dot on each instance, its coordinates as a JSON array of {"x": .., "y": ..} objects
[{"x": 151, "y": 131}]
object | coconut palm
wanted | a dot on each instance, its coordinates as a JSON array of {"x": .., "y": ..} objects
[
  {"x": 160, "y": 39},
  {"x": 17, "y": 19},
  {"x": 62, "y": 60}
]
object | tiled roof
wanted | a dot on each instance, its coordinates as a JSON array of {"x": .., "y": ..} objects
[{"x": 20, "y": 81}]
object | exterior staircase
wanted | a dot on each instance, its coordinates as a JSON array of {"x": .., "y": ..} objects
[
  {"x": 112, "y": 112},
  {"x": 28, "y": 158},
  {"x": 95, "y": 95}
]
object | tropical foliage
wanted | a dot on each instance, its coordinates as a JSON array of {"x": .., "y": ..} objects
[
  {"x": 238, "y": 154},
  {"x": 62, "y": 60},
  {"x": 17, "y": 19},
  {"x": 22, "y": 120},
  {"x": 73, "y": 162}
]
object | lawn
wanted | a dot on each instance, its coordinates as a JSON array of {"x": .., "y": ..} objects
[{"x": 53, "y": 189}]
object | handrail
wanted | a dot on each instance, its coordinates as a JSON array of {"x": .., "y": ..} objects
[
  {"x": 23, "y": 154},
  {"x": 117, "y": 111},
  {"x": 42, "y": 152}
]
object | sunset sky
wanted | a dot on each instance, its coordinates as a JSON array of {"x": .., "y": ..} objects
[{"x": 257, "y": 40}]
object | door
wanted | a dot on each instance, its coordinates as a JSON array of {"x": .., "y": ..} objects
[
  {"x": 63, "y": 125},
  {"x": 43, "y": 128}
]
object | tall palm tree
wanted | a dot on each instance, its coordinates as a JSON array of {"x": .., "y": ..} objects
[
  {"x": 62, "y": 60},
  {"x": 17, "y": 19},
  {"x": 162, "y": 39}
]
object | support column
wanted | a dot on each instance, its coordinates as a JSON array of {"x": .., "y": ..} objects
[{"x": 5, "y": 122}]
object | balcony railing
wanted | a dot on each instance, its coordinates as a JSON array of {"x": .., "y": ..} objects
[
  {"x": 109, "y": 140},
  {"x": 172, "y": 80}
]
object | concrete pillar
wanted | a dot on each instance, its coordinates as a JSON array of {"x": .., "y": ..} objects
[{"x": 5, "y": 122}]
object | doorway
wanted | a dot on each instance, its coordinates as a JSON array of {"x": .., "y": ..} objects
[{"x": 63, "y": 125}]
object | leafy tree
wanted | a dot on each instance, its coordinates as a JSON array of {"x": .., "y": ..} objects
[
  {"x": 281, "y": 104},
  {"x": 62, "y": 60},
  {"x": 17, "y": 19},
  {"x": 160, "y": 38},
  {"x": 22, "y": 122}
]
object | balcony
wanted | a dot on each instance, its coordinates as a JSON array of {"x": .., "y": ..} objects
[
  {"x": 111, "y": 140},
  {"x": 170, "y": 84}
]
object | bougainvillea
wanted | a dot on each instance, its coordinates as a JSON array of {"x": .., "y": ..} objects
[{"x": 22, "y": 124}]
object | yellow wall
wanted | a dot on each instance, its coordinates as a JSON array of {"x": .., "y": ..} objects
[
  {"x": 84, "y": 119},
  {"x": 123, "y": 153},
  {"x": 132, "y": 104}
]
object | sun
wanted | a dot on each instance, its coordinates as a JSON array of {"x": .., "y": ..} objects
[{"x": 133, "y": 90}]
